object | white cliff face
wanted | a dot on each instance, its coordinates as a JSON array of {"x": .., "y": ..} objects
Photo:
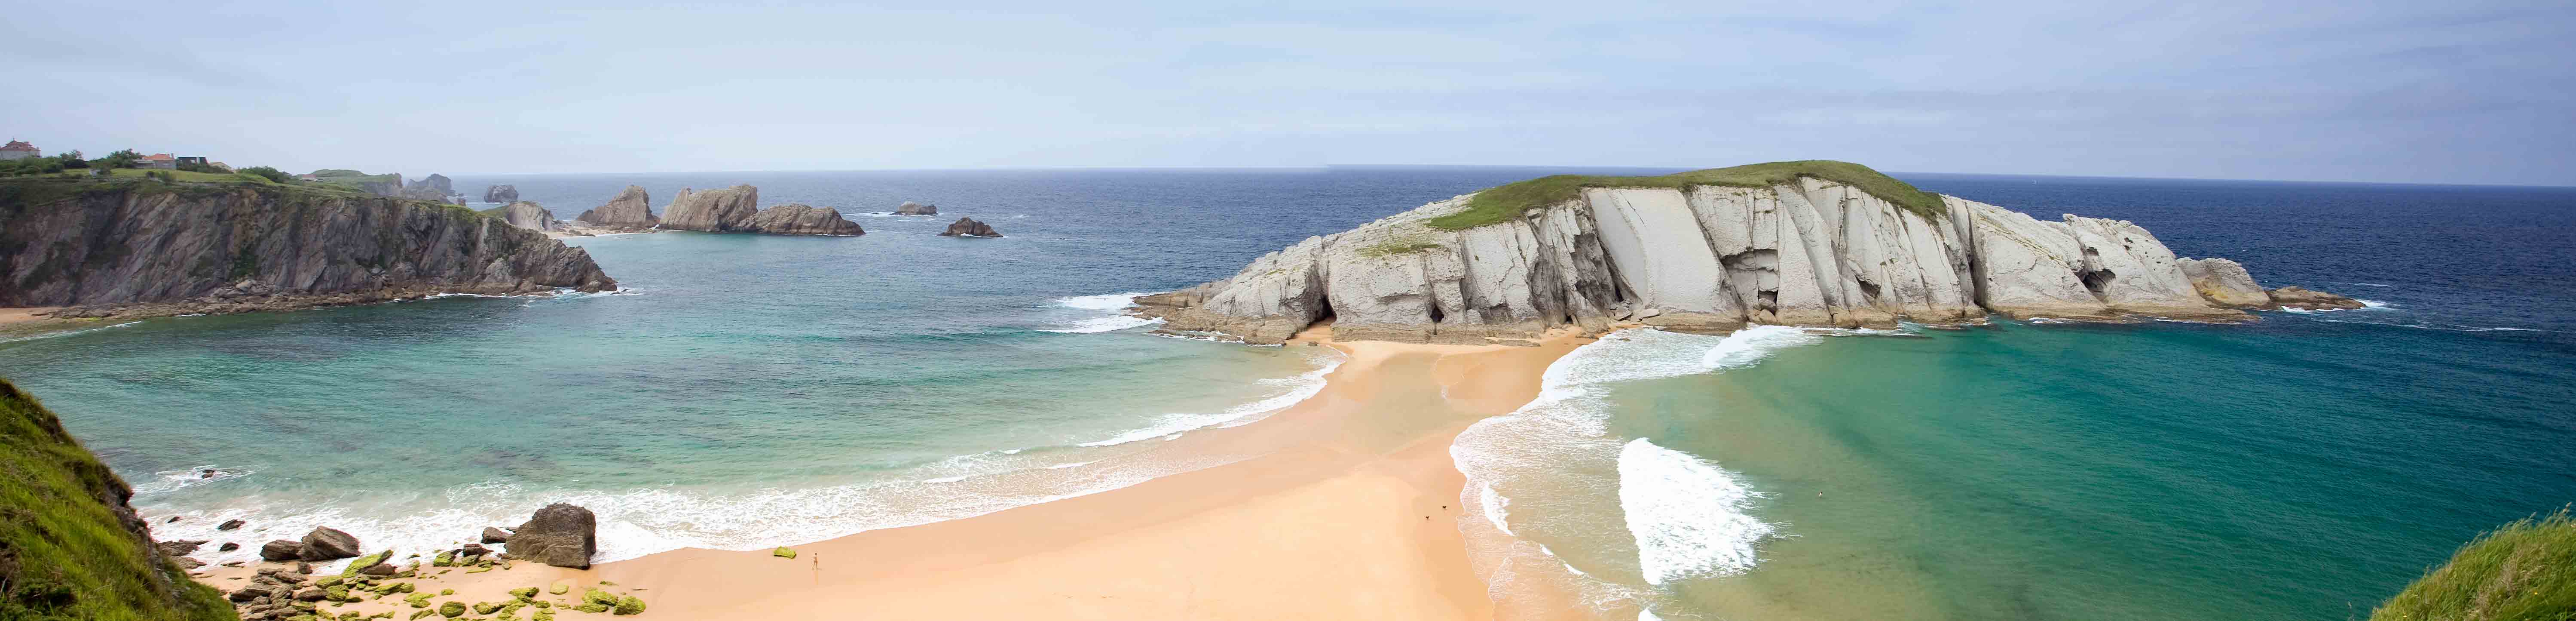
[{"x": 1814, "y": 253}]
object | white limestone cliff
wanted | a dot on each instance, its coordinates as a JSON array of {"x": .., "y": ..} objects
[{"x": 1703, "y": 257}]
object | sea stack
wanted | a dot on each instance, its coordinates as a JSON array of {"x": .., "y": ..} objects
[
  {"x": 630, "y": 210},
  {"x": 501, "y": 194},
  {"x": 801, "y": 219},
  {"x": 735, "y": 210},
  {"x": 528, "y": 215},
  {"x": 910, "y": 208},
  {"x": 1814, "y": 243},
  {"x": 969, "y": 227}
]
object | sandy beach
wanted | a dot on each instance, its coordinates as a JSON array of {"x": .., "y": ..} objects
[{"x": 1345, "y": 506}]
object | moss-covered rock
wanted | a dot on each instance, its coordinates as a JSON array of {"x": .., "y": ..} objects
[
  {"x": 485, "y": 608},
  {"x": 630, "y": 605},
  {"x": 444, "y": 559},
  {"x": 451, "y": 609},
  {"x": 364, "y": 562},
  {"x": 542, "y": 615},
  {"x": 596, "y": 596},
  {"x": 559, "y": 587},
  {"x": 337, "y": 593},
  {"x": 783, "y": 552},
  {"x": 417, "y": 600},
  {"x": 415, "y": 616},
  {"x": 524, "y": 592}
]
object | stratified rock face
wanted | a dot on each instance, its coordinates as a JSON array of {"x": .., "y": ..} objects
[
  {"x": 971, "y": 227},
  {"x": 800, "y": 219},
  {"x": 910, "y": 208},
  {"x": 2225, "y": 283},
  {"x": 561, "y": 535},
  {"x": 1810, "y": 253},
  {"x": 71, "y": 547},
  {"x": 631, "y": 209},
  {"x": 2303, "y": 298},
  {"x": 529, "y": 215},
  {"x": 501, "y": 194},
  {"x": 713, "y": 210},
  {"x": 147, "y": 250}
]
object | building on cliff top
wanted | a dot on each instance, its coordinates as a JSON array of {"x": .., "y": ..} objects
[
  {"x": 157, "y": 160},
  {"x": 18, "y": 150}
]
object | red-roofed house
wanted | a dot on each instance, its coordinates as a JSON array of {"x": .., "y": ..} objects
[
  {"x": 157, "y": 160},
  {"x": 18, "y": 150}
]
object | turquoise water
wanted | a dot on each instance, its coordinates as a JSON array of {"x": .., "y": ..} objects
[{"x": 749, "y": 391}]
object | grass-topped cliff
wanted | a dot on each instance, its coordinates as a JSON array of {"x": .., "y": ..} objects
[
  {"x": 70, "y": 548},
  {"x": 1504, "y": 202},
  {"x": 2524, "y": 571}
]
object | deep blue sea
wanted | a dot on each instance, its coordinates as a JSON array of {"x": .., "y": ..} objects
[{"x": 747, "y": 391}]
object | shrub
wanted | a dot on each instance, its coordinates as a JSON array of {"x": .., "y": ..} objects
[{"x": 271, "y": 173}]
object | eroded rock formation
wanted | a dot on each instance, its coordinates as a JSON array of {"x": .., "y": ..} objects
[
  {"x": 1705, "y": 257},
  {"x": 801, "y": 219},
  {"x": 970, "y": 227},
  {"x": 736, "y": 210},
  {"x": 630, "y": 210},
  {"x": 501, "y": 194},
  {"x": 910, "y": 208},
  {"x": 528, "y": 215},
  {"x": 138, "y": 249},
  {"x": 435, "y": 187}
]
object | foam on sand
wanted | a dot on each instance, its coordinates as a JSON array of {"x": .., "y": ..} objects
[{"x": 1171, "y": 426}]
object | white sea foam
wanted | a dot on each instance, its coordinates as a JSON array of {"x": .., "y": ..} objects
[
  {"x": 1173, "y": 425},
  {"x": 1493, "y": 503},
  {"x": 1075, "y": 464},
  {"x": 1105, "y": 324},
  {"x": 175, "y": 480},
  {"x": 67, "y": 333},
  {"x": 1686, "y": 513},
  {"x": 1106, "y": 301},
  {"x": 1109, "y": 313}
]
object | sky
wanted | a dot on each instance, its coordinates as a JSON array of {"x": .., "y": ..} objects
[{"x": 2459, "y": 91}]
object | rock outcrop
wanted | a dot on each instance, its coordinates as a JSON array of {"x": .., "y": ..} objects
[
  {"x": 2225, "y": 283},
  {"x": 327, "y": 544},
  {"x": 112, "y": 248},
  {"x": 501, "y": 193},
  {"x": 2303, "y": 298},
  {"x": 712, "y": 211},
  {"x": 1806, "y": 252},
  {"x": 736, "y": 210},
  {"x": 71, "y": 547},
  {"x": 969, "y": 227},
  {"x": 910, "y": 208},
  {"x": 528, "y": 215},
  {"x": 630, "y": 210},
  {"x": 435, "y": 187},
  {"x": 561, "y": 535}
]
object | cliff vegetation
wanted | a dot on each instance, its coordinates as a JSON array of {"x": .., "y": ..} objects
[
  {"x": 2524, "y": 571},
  {"x": 1510, "y": 200},
  {"x": 70, "y": 548}
]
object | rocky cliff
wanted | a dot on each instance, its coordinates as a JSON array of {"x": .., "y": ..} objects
[
  {"x": 70, "y": 546},
  {"x": 1803, "y": 243},
  {"x": 631, "y": 209},
  {"x": 501, "y": 193},
  {"x": 737, "y": 210},
  {"x": 435, "y": 187},
  {"x": 147, "y": 248}
]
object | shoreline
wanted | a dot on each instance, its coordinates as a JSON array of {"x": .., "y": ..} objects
[{"x": 1350, "y": 490}]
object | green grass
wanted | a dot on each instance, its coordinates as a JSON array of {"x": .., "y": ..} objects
[
  {"x": 2523, "y": 571},
  {"x": 1397, "y": 247},
  {"x": 182, "y": 175},
  {"x": 1504, "y": 202},
  {"x": 64, "y": 554}
]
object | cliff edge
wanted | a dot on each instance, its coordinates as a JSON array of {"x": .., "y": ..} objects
[
  {"x": 1814, "y": 243},
  {"x": 70, "y": 546},
  {"x": 153, "y": 248}
]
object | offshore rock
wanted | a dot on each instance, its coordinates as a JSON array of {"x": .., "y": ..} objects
[
  {"x": 1811, "y": 252},
  {"x": 631, "y": 209},
  {"x": 910, "y": 208},
  {"x": 435, "y": 187},
  {"x": 501, "y": 194},
  {"x": 2303, "y": 298},
  {"x": 561, "y": 535},
  {"x": 712, "y": 211},
  {"x": 969, "y": 227},
  {"x": 801, "y": 219},
  {"x": 149, "y": 249}
]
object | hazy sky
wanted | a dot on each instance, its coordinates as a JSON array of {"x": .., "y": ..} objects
[{"x": 2461, "y": 91}]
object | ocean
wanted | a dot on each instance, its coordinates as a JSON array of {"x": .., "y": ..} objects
[{"x": 748, "y": 391}]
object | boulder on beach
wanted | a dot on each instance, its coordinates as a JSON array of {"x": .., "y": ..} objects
[
  {"x": 970, "y": 227},
  {"x": 325, "y": 544},
  {"x": 495, "y": 535},
  {"x": 281, "y": 550},
  {"x": 910, "y": 208},
  {"x": 560, "y": 534}
]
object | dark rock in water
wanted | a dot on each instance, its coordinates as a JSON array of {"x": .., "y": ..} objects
[
  {"x": 800, "y": 219},
  {"x": 910, "y": 208},
  {"x": 561, "y": 535},
  {"x": 281, "y": 550},
  {"x": 173, "y": 520},
  {"x": 969, "y": 226},
  {"x": 228, "y": 547},
  {"x": 180, "y": 548},
  {"x": 231, "y": 524},
  {"x": 501, "y": 194},
  {"x": 495, "y": 535},
  {"x": 324, "y": 544},
  {"x": 2298, "y": 297}
]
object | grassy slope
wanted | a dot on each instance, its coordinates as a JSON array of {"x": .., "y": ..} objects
[
  {"x": 2524, "y": 571},
  {"x": 64, "y": 554},
  {"x": 1510, "y": 200}
]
